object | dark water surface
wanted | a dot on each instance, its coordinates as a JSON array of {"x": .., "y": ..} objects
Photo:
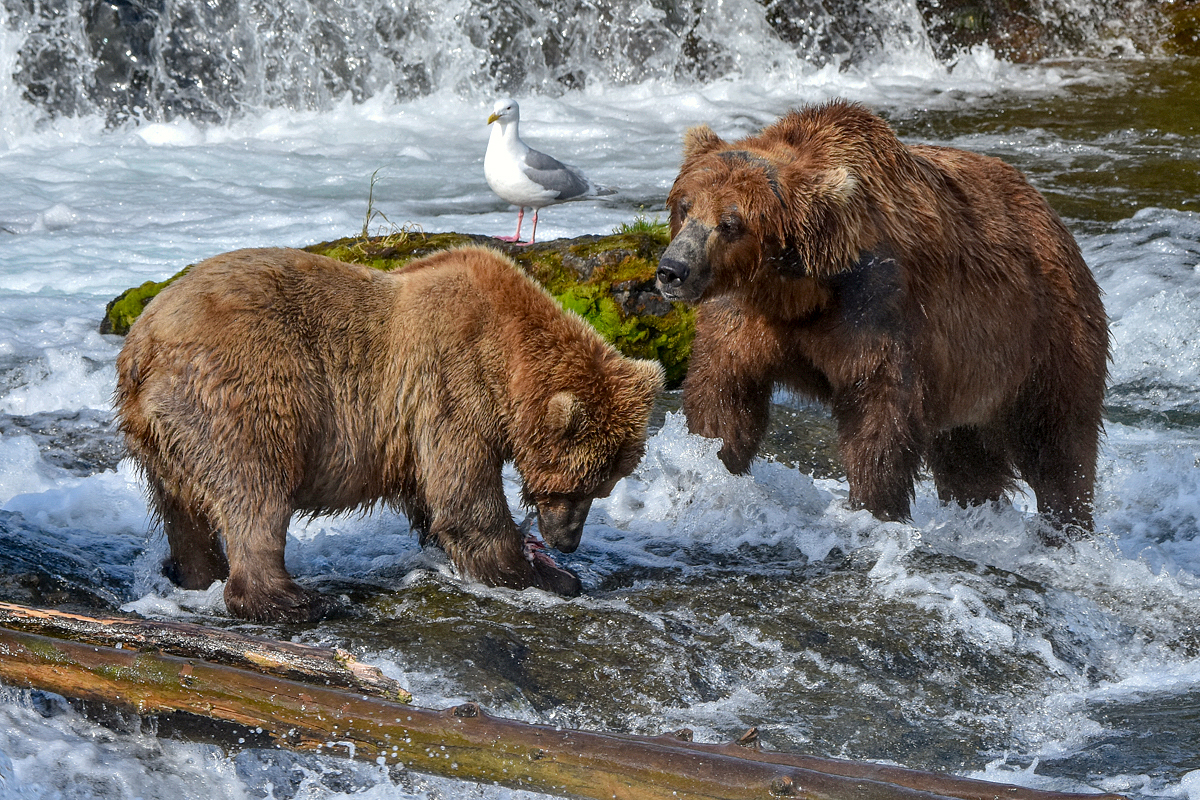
[{"x": 1099, "y": 149}]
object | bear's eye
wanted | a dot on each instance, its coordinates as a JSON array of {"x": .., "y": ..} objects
[
  {"x": 683, "y": 208},
  {"x": 730, "y": 225}
]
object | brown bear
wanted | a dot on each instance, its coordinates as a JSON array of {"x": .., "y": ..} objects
[
  {"x": 929, "y": 295},
  {"x": 265, "y": 382}
]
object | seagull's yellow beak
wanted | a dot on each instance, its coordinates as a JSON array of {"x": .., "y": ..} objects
[{"x": 493, "y": 118}]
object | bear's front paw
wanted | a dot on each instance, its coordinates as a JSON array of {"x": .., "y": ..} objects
[
  {"x": 553, "y": 578},
  {"x": 736, "y": 459},
  {"x": 547, "y": 574}
]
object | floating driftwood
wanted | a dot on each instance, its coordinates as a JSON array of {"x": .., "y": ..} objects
[{"x": 136, "y": 664}]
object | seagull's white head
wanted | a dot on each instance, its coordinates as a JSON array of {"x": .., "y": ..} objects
[{"x": 505, "y": 111}]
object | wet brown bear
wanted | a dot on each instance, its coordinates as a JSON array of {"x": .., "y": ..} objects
[
  {"x": 265, "y": 382},
  {"x": 929, "y": 295}
]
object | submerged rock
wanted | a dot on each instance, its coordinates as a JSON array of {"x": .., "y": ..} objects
[{"x": 608, "y": 280}]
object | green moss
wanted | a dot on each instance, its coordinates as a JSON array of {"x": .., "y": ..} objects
[
  {"x": 605, "y": 279},
  {"x": 125, "y": 308},
  {"x": 666, "y": 338},
  {"x": 972, "y": 20},
  {"x": 547, "y": 268},
  {"x": 631, "y": 268},
  {"x": 645, "y": 245},
  {"x": 47, "y": 651},
  {"x": 391, "y": 251}
]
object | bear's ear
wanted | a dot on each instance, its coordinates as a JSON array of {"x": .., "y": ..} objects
[
  {"x": 564, "y": 412},
  {"x": 834, "y": 184},
  {"x": 700, "y": 140},
  {"x": 651, "y": 377},
  {"x": 837, "y": 184}
]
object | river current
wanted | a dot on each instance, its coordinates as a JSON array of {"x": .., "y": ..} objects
[{"x": 715, "y": 602}]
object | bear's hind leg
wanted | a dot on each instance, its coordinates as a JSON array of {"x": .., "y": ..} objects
[
  {"x": 965, "y": 470},
  {"x": 197, "y": 557}
]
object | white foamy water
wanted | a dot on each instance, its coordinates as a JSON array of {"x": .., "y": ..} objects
[{"x": 1110, "y": 623}]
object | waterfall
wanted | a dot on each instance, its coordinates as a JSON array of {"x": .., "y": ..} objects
[{"x": 206, "y": 60}]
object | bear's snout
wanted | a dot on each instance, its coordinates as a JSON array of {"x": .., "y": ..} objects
[
  {"x": 560, "y": 521},
  {"x": 671, "y": 273},
  {"x": 683, "y": 270}
]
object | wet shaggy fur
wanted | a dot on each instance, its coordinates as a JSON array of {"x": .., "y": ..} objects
[
  {"x": 929, "y": 295},
  {"x": 266, "y": 382}
]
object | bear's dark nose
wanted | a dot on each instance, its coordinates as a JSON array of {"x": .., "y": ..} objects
[{"x": 672, "y": 272}]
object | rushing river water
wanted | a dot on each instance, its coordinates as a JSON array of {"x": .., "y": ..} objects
[{"x": 713, "y": 602}]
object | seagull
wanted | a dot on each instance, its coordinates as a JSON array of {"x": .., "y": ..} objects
[{"x": 525, "y": 177}]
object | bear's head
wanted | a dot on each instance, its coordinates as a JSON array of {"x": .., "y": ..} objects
[
  {"x": 582, "y": 439},
  {"x": 780, "y": 205}
]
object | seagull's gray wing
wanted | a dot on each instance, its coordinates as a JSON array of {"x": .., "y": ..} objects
[{"x": 555, "y": 175}]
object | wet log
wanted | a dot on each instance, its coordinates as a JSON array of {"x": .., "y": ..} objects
[
  {"x": 299, "y": 662},
  {"x": 462, "y": 742}
]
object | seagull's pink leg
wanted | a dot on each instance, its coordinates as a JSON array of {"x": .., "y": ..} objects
[
  {"x": 534, "y": 234},
  {"x": 520, "y": 220}
]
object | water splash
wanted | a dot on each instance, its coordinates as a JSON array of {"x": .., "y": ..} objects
[{"x": 206, "y": 60}]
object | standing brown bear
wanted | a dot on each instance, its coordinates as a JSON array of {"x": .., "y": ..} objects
[
  {"x": 265, "y": 382},
  {"x": 929, "y": 295}
]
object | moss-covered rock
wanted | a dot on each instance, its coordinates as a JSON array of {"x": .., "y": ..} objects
[
  {"x": 123, "y": 309},
  {"x": 608, "y": 280}
]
